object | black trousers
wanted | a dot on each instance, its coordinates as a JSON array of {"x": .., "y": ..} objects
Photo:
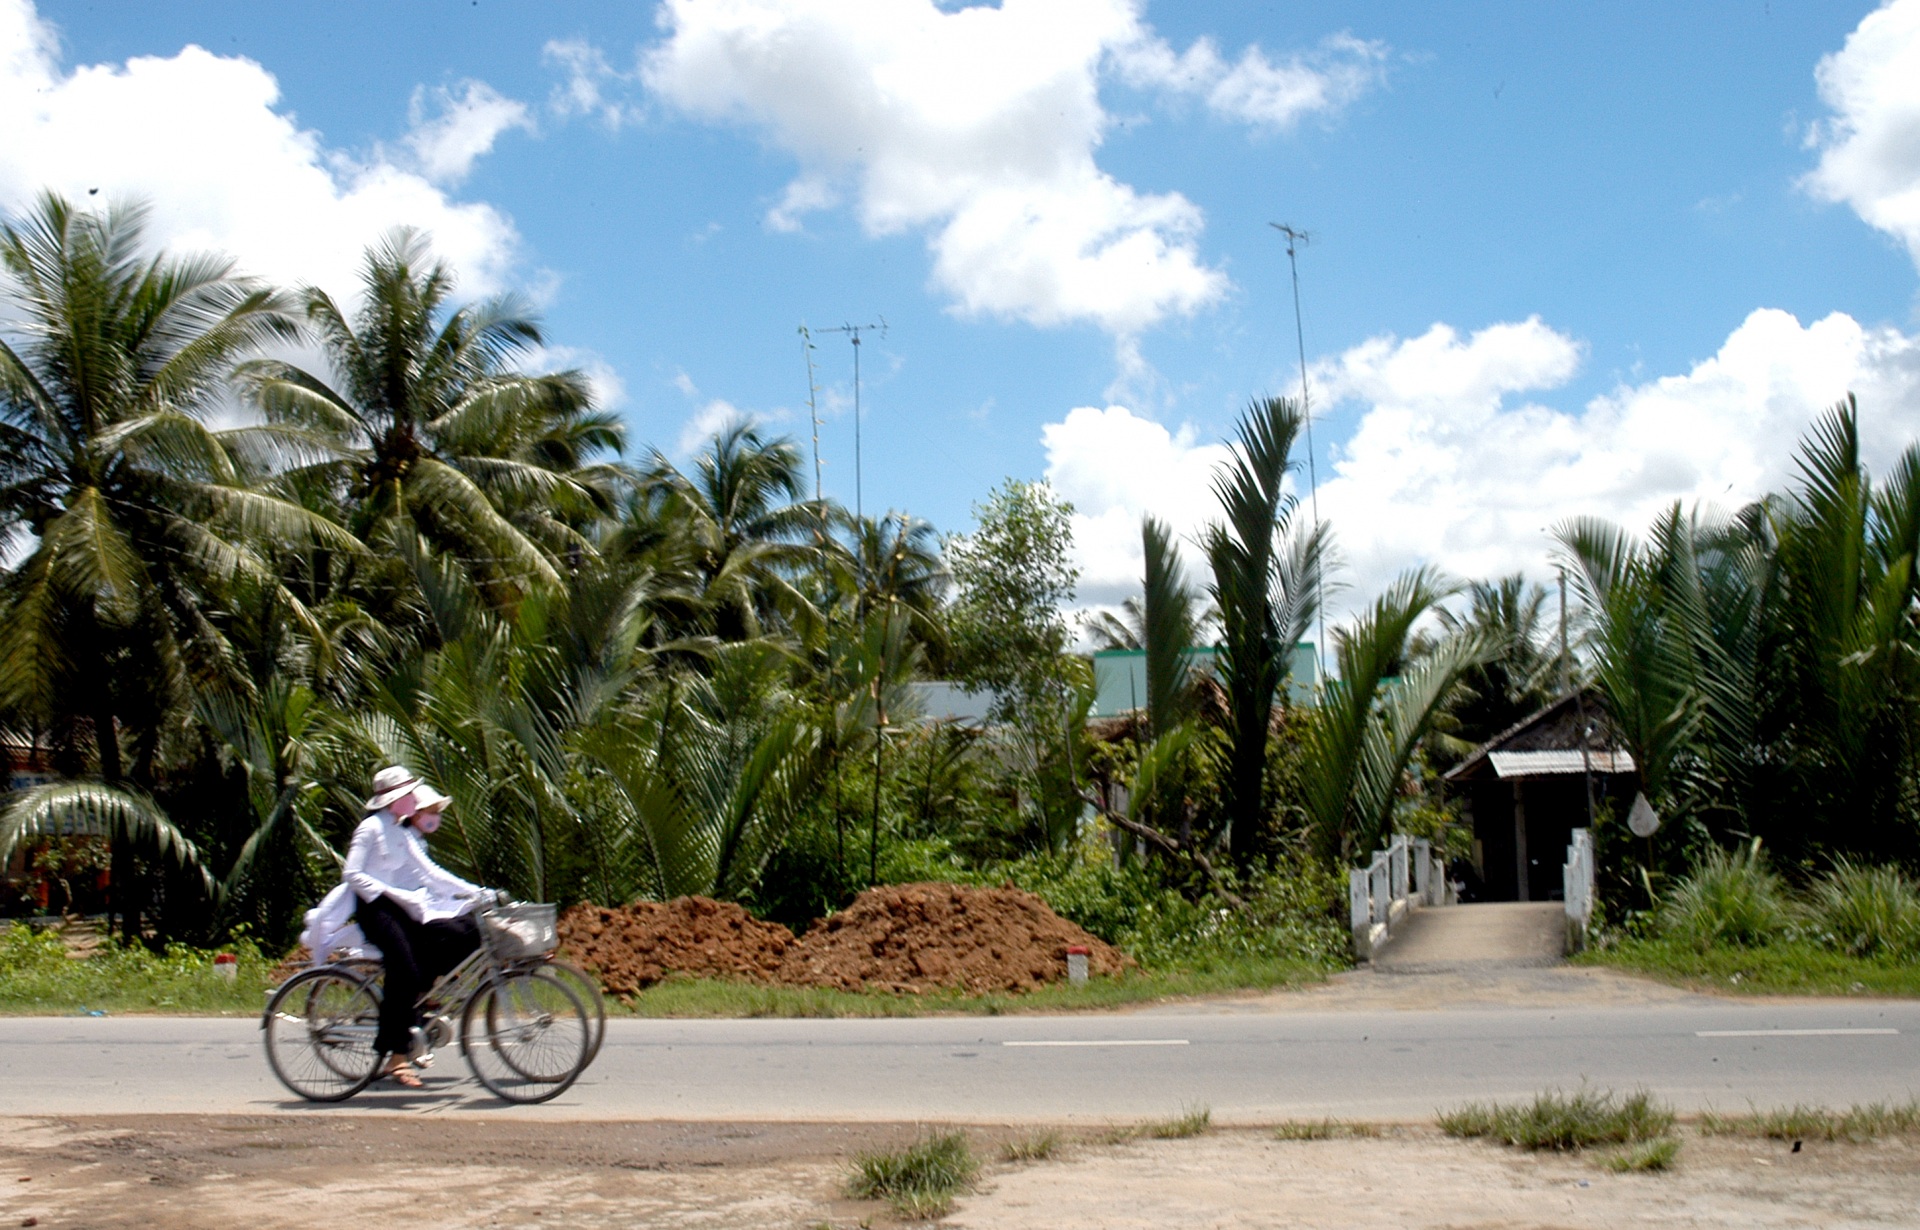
[{"x": 415, "y": 954}]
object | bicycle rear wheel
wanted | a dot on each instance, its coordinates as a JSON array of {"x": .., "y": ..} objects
[
  {"x": 319, "y": 1028},
  {"x": 525, "y": 1034},
  {"x": 587, "y": 989}
]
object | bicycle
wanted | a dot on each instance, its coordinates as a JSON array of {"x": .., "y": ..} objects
[{"x": 524, "y": 1033}]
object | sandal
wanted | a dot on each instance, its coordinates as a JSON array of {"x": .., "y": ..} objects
[{"x": 403, "y": 1075}]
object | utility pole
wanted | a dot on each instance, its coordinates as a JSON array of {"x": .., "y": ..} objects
[
  {"x": 1294, "y": 239},
  {"x": 1579, "y": 702}
]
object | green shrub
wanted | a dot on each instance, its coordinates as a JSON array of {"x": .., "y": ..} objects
[
  {"x": 1558, "y": 1121},
  {"x": 921, "y": 1180},
  {"x": 1287, "y": 914},
  {"x": 1867, "y": 910},
  {"x": 37, "y": 976},
  {"x": 1732, "y": 898}
]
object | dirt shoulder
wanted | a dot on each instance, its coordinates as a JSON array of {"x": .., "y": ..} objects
[
  {"x": 313, "y": 1173},
  {"x": 302, "y": 1172},
  {"x": 1416, "y": 1178}
]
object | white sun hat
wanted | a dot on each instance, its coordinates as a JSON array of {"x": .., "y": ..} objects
[
  {"x": 426, "y": 798},
  {"x": 389, "y": 784}
]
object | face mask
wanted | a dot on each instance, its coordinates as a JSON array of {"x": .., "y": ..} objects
[{"x": 426, "y": 821}]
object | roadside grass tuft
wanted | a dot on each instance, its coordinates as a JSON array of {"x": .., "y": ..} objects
[
  {"x": 1560, "y": 1121},
  {"x": 1856, "y": 1123},
  {"x": 1648, "y": 1155},
  {"x": 1324, "y": 1129},
  {"x": 919, "y": 1181},
  {"x": 1033, "y": 1147},
  {"x": 1194, "y": 1120}
]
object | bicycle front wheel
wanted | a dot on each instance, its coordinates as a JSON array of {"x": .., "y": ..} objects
[
  {"x": 319, "y": 1028},
  {"x": 525, "y": 1034}
]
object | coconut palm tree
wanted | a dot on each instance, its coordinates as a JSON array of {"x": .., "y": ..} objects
[
  {"x": 431, "y": 430},
  {"x": 133, "y": 512},
  {"x": 735, "y": 528},
  {"x": 1510, "y": 614}
]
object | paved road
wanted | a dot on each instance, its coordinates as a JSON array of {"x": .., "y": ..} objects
[{"x": 1247, "y": 1068}]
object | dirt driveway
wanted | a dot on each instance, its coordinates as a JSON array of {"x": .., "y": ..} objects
[{"x": 311, "y": 1173}]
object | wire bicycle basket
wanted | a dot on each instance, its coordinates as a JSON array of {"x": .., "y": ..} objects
[{"x": 520, "y": 931}]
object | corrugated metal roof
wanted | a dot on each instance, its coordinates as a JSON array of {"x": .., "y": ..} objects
[{"x": 1555, "y": 763}]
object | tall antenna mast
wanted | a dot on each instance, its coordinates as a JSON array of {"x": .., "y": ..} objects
[
  {"x": 1294, "y": 239},
  {"x": 853, "y": 333}
]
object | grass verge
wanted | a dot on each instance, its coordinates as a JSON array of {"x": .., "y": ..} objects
[
  {"x": 1788, "y": 967},
  {"x": 919, "y": 1181},
  {"x": 1324, "y": 1129},
  {"x": 1856, "y": 1123},
  {"x": 182, "y": 981},
  {"x": 37, "y": 978},
  {"x": 704, "y": 997},
  {"x": 1555, "y": 1120}
]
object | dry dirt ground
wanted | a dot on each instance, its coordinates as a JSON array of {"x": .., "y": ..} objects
[{"x": 314, "y": 1174}]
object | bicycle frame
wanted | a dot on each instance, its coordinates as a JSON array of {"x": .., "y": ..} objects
[{"x": 449, "y": 993}]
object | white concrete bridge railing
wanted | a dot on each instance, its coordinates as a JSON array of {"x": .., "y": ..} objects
[
  {"x": 1577, "y": 879},
  {"x": 1404, "y": 875},
  {"x": 1408, "y": 875}
]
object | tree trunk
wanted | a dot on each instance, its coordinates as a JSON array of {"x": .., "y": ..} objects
[{"x": 106, "y": 739}]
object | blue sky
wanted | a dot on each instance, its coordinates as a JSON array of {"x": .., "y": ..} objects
[{"x": 1541, "y": 233}]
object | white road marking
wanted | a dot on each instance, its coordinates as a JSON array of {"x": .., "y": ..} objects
[
  {"x": 1792, "y": 1033},
  {"x": 1103, "y": 1042}
]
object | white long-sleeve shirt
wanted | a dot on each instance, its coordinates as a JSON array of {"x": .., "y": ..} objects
[
  {"x": 388, "y": 859},
  {"x": 330, "y": 926}
]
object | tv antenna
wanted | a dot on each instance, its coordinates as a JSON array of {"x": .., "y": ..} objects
[
  {"x": 853, "y": 333},
  {"x": 1297, "y": 238}
]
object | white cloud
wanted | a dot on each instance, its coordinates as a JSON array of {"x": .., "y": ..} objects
[
  {"x": 707, "y": 422},
  {"x": 447, "y": 144},
  {"x": 1451, "y": 465},
  {"x": 1455, "y": 462},
  {"x": 1255, "y": 90},
  {"x": 978, "y": 125},
  {"x": 1115, "y": 467},
  {"x": 204, "y": 137},
  {"x": 590, "y": 84},
  {"x": 1870, "y": 147}
]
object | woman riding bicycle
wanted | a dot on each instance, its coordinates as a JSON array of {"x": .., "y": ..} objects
[{"x": 415, "y": 911}]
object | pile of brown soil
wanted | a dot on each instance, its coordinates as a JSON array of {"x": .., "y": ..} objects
[
  {"x": 918, "y": 937},
  {"x": 901, "y": 937},
  {"x": 637, "y": 945}
]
